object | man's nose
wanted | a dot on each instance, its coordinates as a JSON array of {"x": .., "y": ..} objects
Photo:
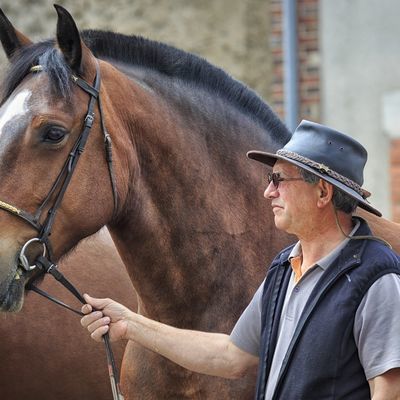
[{"x": 271, "y": 191}]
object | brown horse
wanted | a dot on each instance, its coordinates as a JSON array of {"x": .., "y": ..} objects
[
  {"x": 44, "y": 355},
  {"x": 190, "y": 221}
]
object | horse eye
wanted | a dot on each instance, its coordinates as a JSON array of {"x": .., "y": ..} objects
[{"x": 54, "y": 134}]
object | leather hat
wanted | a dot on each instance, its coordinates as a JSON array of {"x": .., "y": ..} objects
[{"x": 327, "y": 153}]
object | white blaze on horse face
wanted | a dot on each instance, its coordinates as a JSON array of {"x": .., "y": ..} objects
[{"x": 17, "y": 107}]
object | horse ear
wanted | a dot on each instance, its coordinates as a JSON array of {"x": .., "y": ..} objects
[
  {"x": 11, "y": 39},
  {"x": 68, "y": 38}
]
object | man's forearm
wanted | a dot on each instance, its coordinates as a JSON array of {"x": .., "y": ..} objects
[{"x": 203, "y": 352}]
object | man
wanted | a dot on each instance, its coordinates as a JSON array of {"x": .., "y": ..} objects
[{"x": 324, "y": 324}]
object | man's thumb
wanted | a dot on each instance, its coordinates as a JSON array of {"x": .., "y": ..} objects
[{"x": 98, "y": 304}]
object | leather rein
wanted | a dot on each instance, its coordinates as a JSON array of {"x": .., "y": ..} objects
[{"x": 44, "y": 262}]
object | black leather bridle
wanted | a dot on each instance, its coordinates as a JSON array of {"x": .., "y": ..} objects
[
  {"x": 44, "y": 261},
  {"x": 64, "y": 177}
]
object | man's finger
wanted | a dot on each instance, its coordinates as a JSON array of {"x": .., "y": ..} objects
[
  {"x": 87, "y": 308},
  {"x": 90, "y": 318},
  {"x": 98, "y": 334},
  {"x": 99, "y": 323}
]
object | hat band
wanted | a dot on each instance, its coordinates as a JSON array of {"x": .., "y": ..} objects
[{"x": 322, "y": 168}]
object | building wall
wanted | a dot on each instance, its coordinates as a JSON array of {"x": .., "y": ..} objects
[
  {"x": 360, "y": 57},
  {"x": 309, "y": 60},
  {"x": 308, "y": 57},
  {"x": 348, "y": 52},
  {"x": 232, "y": 34},
  {"x": 395, "y": 178}
]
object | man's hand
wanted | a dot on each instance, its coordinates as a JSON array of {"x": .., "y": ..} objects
[{"x": 109, "y": 316}]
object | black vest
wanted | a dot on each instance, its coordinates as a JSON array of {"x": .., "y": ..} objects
[{"x": 322, "y": 361}]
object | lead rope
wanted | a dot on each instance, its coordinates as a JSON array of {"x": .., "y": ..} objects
[
  {"x": 52, "y": 269},
  {"x": 360, "y": 237}
]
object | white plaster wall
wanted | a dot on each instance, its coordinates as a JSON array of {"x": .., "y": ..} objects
[{"x": 360, "y": 65}]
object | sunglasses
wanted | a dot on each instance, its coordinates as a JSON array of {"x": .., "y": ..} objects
[{"x": 276, "y": 178}]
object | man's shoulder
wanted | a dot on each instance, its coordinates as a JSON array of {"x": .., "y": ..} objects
[
  {"x": 380, "y": 252},
  {"x": 376, "y": 260}
]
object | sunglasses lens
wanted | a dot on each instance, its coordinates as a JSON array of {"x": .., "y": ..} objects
[{"x": 274, "y": 178}]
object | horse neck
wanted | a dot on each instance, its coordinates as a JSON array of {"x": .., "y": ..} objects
[{"x": 194, "y": 208}]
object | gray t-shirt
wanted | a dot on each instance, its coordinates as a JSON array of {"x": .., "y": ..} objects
[{"x": 376, "y": 327}]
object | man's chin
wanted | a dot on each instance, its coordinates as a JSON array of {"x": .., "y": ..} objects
[{"x": 281, "y": 223}]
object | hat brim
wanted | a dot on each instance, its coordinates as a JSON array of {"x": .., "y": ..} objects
[{"x": 270, "y": 159}]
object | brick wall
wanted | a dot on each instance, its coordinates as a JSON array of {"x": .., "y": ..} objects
[
  {"x": 308, "y": 59},
  {"x": 395, "y": 178},
  {"x": 276, "y": 46}
]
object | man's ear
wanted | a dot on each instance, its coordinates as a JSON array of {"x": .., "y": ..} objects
[{"x": 325, "y": 193}]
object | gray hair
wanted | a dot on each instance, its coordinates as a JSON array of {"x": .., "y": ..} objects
[{"x": 341, "y": 200}]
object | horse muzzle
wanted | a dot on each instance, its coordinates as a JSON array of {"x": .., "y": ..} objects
[{"x": 21, "y": 270}]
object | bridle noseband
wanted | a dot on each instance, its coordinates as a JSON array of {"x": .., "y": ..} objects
[{"x": 63, "y": 179}]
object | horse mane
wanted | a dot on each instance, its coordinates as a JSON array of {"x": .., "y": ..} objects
[
  {"x": 142, "y": 52},
  {"x": 177, "y": 63}
]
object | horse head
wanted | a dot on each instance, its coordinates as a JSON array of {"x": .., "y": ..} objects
[{"x": 49, "y": 100}]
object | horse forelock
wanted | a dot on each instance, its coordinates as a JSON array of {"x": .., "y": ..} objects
[
  {"x": 174, "y": 63},
  {"x": 52, "y": 62}
]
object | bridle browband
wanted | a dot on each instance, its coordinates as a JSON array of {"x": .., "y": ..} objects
[{"x": 44, "y": 261}]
